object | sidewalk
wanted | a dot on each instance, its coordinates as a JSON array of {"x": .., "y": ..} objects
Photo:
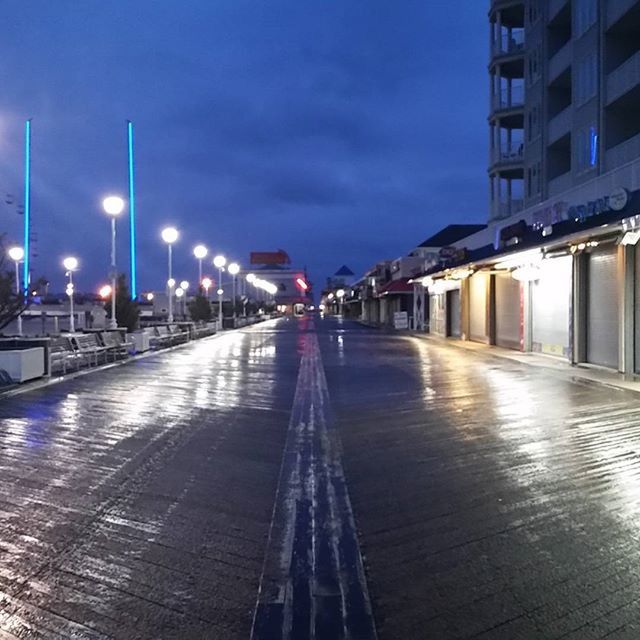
[{"x": 577, "y": 373}]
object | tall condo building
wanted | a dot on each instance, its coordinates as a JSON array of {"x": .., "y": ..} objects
[{"x": 564, "y": 102}]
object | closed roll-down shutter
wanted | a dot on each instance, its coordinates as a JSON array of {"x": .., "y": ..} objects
[
  {"x": 454, "y": 313},
  {"x": 551, "y": 304},
  {"x": 507, "y": 311},
  {"x": 478, "y": 307},
  {"x": 602, "y": 308}
]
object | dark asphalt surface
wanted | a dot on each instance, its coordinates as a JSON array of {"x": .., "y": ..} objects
[{"x": 492, "y": 499}]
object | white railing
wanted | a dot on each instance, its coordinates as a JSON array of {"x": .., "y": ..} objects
[{"x": 509, "y": 152}]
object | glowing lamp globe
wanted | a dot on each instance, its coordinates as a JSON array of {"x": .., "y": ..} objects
[
  {"x": 200, "y": 251},
  {"x": 16, "y": 253},
  {"x": 234, "y": 268},
  {"x": 70, "y": 263},
  {"x": 113, "y": 205},
  {"x": 169, "y": 235},
  {"x": 219, "y": 262}
]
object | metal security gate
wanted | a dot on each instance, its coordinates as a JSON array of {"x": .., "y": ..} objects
[
  {"x": 453, "y": 314},
  {"x": 507, "y": 311},
  {"x": 478, "y": 307},
  {"x": 551, "y": 304},
  {"x": 602, "y": 307}
]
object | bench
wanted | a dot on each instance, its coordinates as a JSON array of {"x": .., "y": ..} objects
[
  {"x": 89, "y": 348},
  {"x": 178, "y": 334},
  {"x": 160, "y": 337},
  {"x": 115, "y": 344},
  {"x": 61, "y": 354}
]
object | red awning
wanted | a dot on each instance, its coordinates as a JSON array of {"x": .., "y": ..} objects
[{"x": 396, "y": 287}]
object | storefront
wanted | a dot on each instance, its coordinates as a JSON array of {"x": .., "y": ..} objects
[
  {"x": 454, "y": 325},
  {"x": 478, "y": 307},
  {"x": 437, "y": 314},
  {"x": 551, "y": 307},
  {"x": 508, "y": 311},
  {"x": 602, "y": 329}
]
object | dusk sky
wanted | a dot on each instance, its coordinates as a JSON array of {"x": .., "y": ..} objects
[{"x": 343, "y": 131}]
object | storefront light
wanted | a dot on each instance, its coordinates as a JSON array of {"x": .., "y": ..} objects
[
  {"x": 427, "y": 282},
  {"x": 520, "y": 259},
  {"x": 461, "y": 274},
  {"x": 630, "y": 238},
  {"x": 528, "y": 273}
]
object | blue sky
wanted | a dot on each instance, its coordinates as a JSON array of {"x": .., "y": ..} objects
[{"x": 343, "y": 131}]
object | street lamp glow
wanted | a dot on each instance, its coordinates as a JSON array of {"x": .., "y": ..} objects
[
  {"x": 179, "y": 292},
  {"x": 169, "y": 235},
  {"x": 150, "y": 296},
  {"x": 184, "y": 285},
  {"x": 220, "y": 292},
  {"x": 200, "y": 251},
  {"x": 340, "y": 293},
  {"x": 105, "y": 291},
  {"x": 330, "y": 296},
  {"x": 219, "y": 262},
  {"x": 251, "y": 277},
  {"x": 113, "y": 205},
  {"x": 70, "y": 263},
  {"x": 234, "y": 268},
  {"x": 16, "y": 253},
  {"x": 171, "y": 283},
  {"x": 206, "y": 283}
]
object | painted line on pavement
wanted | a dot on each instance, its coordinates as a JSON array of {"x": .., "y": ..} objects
[{"x": 313, "y": 583}]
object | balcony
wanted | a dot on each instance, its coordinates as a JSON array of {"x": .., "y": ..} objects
[
  {"x": 622, "y": 153},
  {"x": 560, "y": 61},
  {"x": 624, "y": 78},
  {"x": 509, "y": 43},
  {"x": 509, "y": 99},
  {"x": 507, "y": 208},
  {"x": 560, "y": 184},
  {"x": 616, "y": 9},
  {"x": 508, "y": 156},
  {"x": 560, "y": 125}
]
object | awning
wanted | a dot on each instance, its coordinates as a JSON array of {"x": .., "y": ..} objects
[{"x": 396, "y": 287}]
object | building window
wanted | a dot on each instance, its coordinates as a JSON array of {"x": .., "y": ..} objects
[
  {"x": 586, "y": 78},
  {"x": 585, "y": 14},
  {"x": 587, "y": 148}
]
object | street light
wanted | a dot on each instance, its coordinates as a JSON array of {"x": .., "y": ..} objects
[
  {"x": 234, "y": 270},
  {"x": 170, "y": 235},
  {"x": 206, "y": 285},
  {"x": 105, "y": 291},
  {"x": 17, "y": 255},
  {"x": 340, "y": 296},
  {"x": 200, "y": 252},
  {"x": 113, "y": 207},
  {"x": 70, "y": 264},
  {"x": 219, "y": 262}
]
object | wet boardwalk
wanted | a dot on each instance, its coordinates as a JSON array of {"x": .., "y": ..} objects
[{"x": 491, "y": 499}]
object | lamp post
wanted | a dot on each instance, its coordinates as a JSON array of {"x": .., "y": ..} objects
[
  {"x": 17, "y": 254},
  {"x": 200, "y": 252},
  {"x": 340, "y": 296},
  {"x": 170, "y": 235},
  {"x": 70, "y": 264},
  {"x": 219, "y": 262},
  {"x": 184, "y": 285},
  {"x": 234, "y": 270},
  {"x": 250, "y": 278},
  {"x": 113, "y": 206},
  {"x": 179, "y": 293}
]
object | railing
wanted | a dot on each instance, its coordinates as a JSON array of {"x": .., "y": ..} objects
[
  {"x": 512, "y": 153},
  {"x": 624, "y": 78},
  {"x": 509, "y": 43},
  {"x": 509, "y": 99},
  {"x": 507, "y": 208}
]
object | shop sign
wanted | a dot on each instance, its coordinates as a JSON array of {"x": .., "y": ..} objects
[
  {"x": 446, "y": 253},
  {"x": 617, "y": 200},
  {"x": 400, "y": 320}
]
